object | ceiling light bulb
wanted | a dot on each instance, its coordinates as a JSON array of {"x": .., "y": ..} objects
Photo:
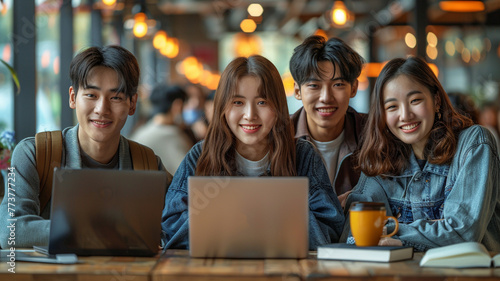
[
  {"x": 109, "y": 2},
  {"x": 255, "y": 10}
]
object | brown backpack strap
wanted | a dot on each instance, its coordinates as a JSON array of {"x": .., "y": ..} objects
[
  {"x": 143, "y": 157},
  {"x": 48, "y": 156}
]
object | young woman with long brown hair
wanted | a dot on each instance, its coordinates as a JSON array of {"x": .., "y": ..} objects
[
  {"x": 437, "y": 172},
  {"x": 251, "y": 135}
]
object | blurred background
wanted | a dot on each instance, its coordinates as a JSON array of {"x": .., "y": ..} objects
[{"x": 189, "y": 42}]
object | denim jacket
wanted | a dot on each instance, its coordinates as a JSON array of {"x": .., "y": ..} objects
[
  {"x": 326, "y": 219},
  {"x": 443, "y": 204}
]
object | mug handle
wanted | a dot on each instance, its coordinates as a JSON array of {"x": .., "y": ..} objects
[{"x": 395, "y": 229}]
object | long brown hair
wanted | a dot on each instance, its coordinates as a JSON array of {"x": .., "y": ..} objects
[
  {"x": 219, "y": 148},
  {"x": 382, "y": 153}
]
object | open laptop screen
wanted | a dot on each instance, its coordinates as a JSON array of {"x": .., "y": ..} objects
[
  {"x": 248, "y": 217},
  {"x": 106, "y": 212}
]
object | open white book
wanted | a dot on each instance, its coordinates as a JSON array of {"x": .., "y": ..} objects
[{"x": 461, "y": 255}]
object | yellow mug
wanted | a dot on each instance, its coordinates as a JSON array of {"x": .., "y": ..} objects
[{"x": 367, "y": 223}]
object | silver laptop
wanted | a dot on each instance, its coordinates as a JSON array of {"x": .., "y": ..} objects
[
  {"x": 248, "y": 217},
  {"x": 106, "y": 212}
]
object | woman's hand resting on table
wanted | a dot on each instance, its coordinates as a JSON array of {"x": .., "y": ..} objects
[{"x": 387, "y": 241}]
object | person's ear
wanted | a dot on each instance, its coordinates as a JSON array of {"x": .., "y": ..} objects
[
  {"x": 296, "y": 89},
  {"x": 133, "y": 104},
  {"x": 72, "y": 97},
  {"x": 354, "y": 88}
]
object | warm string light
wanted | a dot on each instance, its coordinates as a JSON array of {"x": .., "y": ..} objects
[
  {"x": 470, "y": 50},
  {"x": 109, "y": 2},
  {"x": 195, "y": 72},
  {"x": 432, "y": 41},
  {"x": 247, "y": 45},
  {"x": 248, "y": 25},
  {"x": 140, "y": 26},
  {"x": 410, "y": 40},
  {"x": 373, "y": 69},
  {"x": 255, "y": 10},
  {"x": 340, "y": 16},
  {"x": 166, "y": 45},
  {"x": 160, "y": 39},
  {"x": 171, "y": 49},
  {"x": 461, "y": 6},
  {"x": 431, "y": 49}
]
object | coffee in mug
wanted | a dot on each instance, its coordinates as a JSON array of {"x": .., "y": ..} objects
[{"x": 367, "y": 222}]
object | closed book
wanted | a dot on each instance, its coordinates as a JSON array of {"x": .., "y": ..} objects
[
  {"x": 348, "y": 252},
  {"x": 461, "y": 255}
]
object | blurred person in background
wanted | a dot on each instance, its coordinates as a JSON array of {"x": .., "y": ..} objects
[
  {"x": 209, "y": 106},
  {"x": 488, "y": 117},
  {"x": 193, "y": 112},
  {"x": 163, "y": 132},
  {"x": 465, "y": 105}
]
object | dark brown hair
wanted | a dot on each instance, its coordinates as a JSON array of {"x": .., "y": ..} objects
[
  {"x": 304, "y": 61},
  {"x": 219, "y": 148},
  {"x": 115, "y": 57},
  {"x": 382, "y": 153}
]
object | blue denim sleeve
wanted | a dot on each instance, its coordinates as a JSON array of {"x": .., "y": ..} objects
[
  {"x": 326, "y": 219},
  {"x": 175, "y": 218},
  {"x": 469, "y": 209}
]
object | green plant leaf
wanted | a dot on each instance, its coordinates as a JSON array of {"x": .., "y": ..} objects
[{"x": 14, "y": 75}]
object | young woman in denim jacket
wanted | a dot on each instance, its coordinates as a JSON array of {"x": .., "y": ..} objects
[
  {"x": 437, "y": 172},
  {"x": 251, "y": 135}
]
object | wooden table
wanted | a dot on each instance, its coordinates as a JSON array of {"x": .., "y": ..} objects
[
  {"x": 88, "y": 268},
  {"x": 177, "y": 265}
]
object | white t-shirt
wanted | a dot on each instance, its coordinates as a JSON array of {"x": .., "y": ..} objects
[
  {"x": 330, "y": 152},
  {"x": 252, "y": 168}
]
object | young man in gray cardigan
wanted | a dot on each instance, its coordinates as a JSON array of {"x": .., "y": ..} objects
[
  {"x": 326, "y": 78},
  {"x": 103, "y": 94}
]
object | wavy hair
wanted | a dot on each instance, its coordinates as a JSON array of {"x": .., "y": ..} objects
[
  {"x": 384, "y": 154},
  {"x": 219, "y": 149}
]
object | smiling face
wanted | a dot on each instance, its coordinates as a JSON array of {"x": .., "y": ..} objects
[
  {"x": 409, "y": 112},
  {"x": 326, "y": 101},
  {"x": 101, "y": 110},
  {"x": 250, "y": 118}
]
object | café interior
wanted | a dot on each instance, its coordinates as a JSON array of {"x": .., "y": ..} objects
[{"x": 191, "y": 42}]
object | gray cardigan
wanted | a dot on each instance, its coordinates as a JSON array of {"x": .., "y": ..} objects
[{"x": 33, "y": 225}]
